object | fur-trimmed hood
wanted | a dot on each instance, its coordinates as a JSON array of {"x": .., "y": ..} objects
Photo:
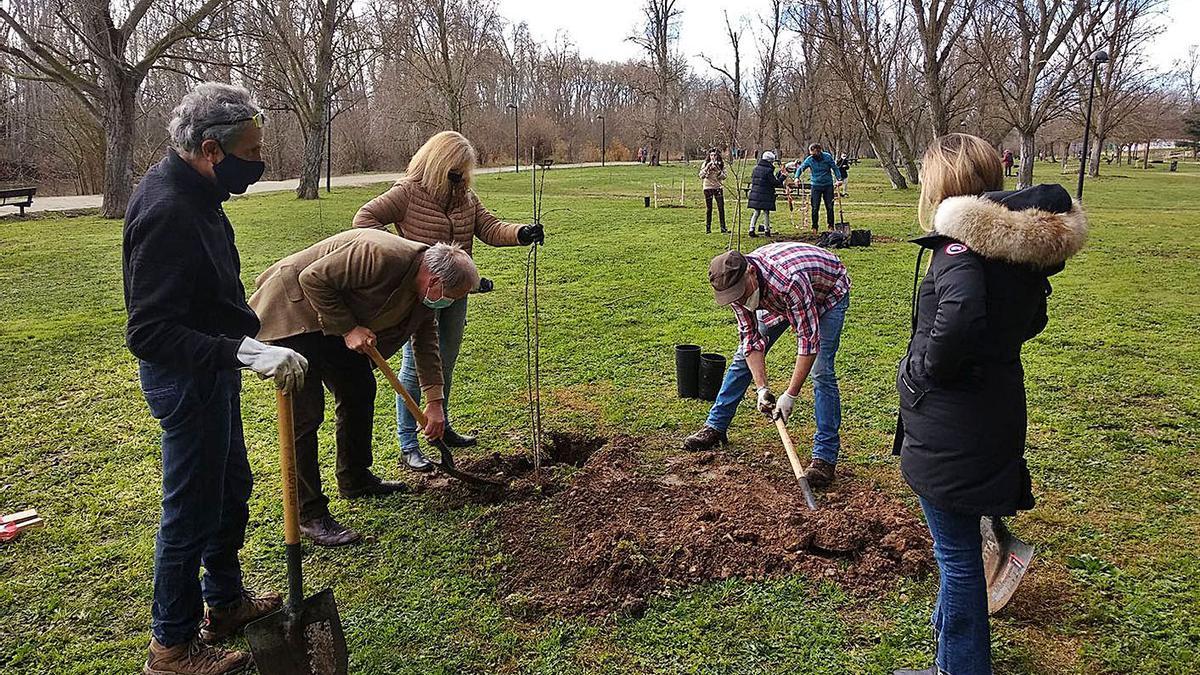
[{"x": 1040, "y": 235}]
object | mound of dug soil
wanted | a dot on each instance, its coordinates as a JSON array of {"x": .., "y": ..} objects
[{"x": 614, "y": 533}]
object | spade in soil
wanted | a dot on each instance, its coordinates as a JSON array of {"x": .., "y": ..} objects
[
  {"x": 446, "y": 465},
  {"x": 305, "y": 636},
  {"x": 1005, "y": 560}
]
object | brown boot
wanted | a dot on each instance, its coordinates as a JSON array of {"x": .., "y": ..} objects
[
  {"x": 704, "y": 440},
  {"x": 819, "y": 473},
  {"x": 222, "y": 622},
  {"x": 194, "y": 658}
]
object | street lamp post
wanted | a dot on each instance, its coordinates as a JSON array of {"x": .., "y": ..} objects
[
  {"x": 516, "y": 137},
  {"x": 1101, "y": 57},
  {"x": 602, "y": 138}
]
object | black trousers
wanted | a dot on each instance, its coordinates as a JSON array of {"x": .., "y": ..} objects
[
  {"x": 709, "y": 196},
  {"x": 819, "y": 193},
  {"x": 348, "y": 376}
]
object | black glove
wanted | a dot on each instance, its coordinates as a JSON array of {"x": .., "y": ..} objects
[{"x": 531, "y": 234}]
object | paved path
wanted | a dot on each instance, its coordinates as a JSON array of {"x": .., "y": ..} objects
[{"x": 357, "y": 179}]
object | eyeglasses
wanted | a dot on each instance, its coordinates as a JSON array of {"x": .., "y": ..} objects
[{"x": 258, "y": 118}]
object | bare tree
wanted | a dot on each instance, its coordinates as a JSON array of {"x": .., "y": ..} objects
[
  {"x": 768, "y": 73},
  {"x": 101, "y": 63},
  {"x": 311, "y": 50},
  {"x": 1030, "y": 51},
  {"x": 1124, "y": 82},
  {"x": 868, "y": 34},
  {"x": 940, "y": 26},
  {"x": 657, "y": 38},
  {"x": 729, "y": 98}
]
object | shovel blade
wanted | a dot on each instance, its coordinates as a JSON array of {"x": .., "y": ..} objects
[
  {"x": 1005, "y": 560},
  {"x": 307, "y": 642}
]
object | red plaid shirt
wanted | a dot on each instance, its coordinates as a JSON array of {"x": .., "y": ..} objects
[{"x": 798, "y": 284}]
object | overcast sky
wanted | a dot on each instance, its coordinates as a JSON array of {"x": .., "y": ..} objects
[{"x": 599, "y": 27}]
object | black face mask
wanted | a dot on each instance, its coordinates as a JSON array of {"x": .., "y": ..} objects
[{"x": 236, "y": 174}]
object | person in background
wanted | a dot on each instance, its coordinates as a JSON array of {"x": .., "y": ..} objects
[
  {"x": 1008, "y": 162},
  {"x": 330, "y": 302},
  {"x": 843, "y": 165},
  {"x": 769, "y": 289},
  {"x": 824, "y": 180},
  {"x": 961, "y": 433},
  {"x": 763, "y": 181},
  {"x": 434, "y": 203},
  {"x": 190, "y": 327},
  {"x": 713, "y": 175}
]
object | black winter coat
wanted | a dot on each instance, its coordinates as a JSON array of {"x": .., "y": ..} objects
[
  {"x": 961, "y": 437},
  {"x": 763, "y": 181},
  {"x": 183, "y": 287}
]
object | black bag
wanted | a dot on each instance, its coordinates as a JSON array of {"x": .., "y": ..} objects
[
  {"x": 832, "y": 239},
  {"x": 860, "y": 238}
]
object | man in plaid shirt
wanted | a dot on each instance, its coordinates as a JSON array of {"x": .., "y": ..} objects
[{"x": 774, "y": 287}]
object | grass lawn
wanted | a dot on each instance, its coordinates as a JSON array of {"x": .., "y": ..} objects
[{"x": 1114, "y": 398}]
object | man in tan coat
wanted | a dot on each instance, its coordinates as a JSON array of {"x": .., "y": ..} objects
[{"x": 329, "y": 302}]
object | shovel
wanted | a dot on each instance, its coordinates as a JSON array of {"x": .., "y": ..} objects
[
  {"x": 1005, "y": 559},
  {"x": 446, "y": 465},
  {"x": 842, "y": 225},
  {"x": 794, "y": 460},
  {"x": 305, "y": 636}
]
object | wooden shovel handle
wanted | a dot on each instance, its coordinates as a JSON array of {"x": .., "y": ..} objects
[
  {"x": 382, "y": 364},
  {"x": 287, "y": 467},
  {"x": 794, "y": 460}
]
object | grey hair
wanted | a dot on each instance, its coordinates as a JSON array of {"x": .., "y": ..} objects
[
  {"x": 453, "y": 266},
  {"x": 199, "y": 116}
]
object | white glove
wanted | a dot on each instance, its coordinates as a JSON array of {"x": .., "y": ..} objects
[
  {"x": 783, "y": 409},
  {"x": 286, "y": 366},
  {"x": 766, "y": 401}
]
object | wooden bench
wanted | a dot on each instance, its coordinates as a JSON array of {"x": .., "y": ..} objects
[{"x": 18, "y": 197}]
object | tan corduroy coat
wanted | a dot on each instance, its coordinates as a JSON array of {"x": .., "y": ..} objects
[
  {"x": 418, "y": 216},
  {"x": 354, "y": 278}
]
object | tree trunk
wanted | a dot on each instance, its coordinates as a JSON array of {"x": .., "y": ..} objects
[
  {"x": 1094, "y": 160},
  {"x": 885, "y": 159},
  {"x": 907, "y": 157},
  {"x": 120, "y": 113},
  {"x": 1146, "y": 157},
  {"x": 1025, "y": 172},
  {"x": 310, "y": 169}
]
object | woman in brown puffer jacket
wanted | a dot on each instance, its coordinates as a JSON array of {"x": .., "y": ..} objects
[
  {"x": 434, "y": 203},
  {"x": 713, "y": 175}
]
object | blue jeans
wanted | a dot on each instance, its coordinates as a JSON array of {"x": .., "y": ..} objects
[
  {"x": 827, "y": 401},
  {"x": 452, "y": 323},
  {"x": 206, "y": 486},
  {"x": 960, "y": 618}
]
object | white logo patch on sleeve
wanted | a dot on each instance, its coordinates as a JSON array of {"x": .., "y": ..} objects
[{"x": 956, "y": 248}]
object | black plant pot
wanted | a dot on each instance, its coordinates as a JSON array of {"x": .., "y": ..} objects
[
  {"x": 687, "y": 370},
  {"x": 712, "y": 371}
]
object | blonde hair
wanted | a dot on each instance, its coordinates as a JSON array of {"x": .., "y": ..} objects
[
  {"x": 955, "y": 165},
  {"x": 430, "y": 167}
]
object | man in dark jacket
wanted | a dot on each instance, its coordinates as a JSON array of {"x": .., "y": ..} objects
[
  {"x": 763, "y": 181},
  {"x": 189, "y": 326}
]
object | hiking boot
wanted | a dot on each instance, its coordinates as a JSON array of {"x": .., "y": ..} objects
[
  {"x": 819, "y": 473},
  {"x": 194, "y": 658},
  {"x": 374, "y": 487},
  {"x": 222, "y": 622},
  {"x": 724, "y": 230},
  {"x": 704, "y": 440},
  {"x": 752, "y": 233},
  {"x": 413, "y": 460},
  {"x": 456, "y": 440},
  {"x": 325, "y": 531}
]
